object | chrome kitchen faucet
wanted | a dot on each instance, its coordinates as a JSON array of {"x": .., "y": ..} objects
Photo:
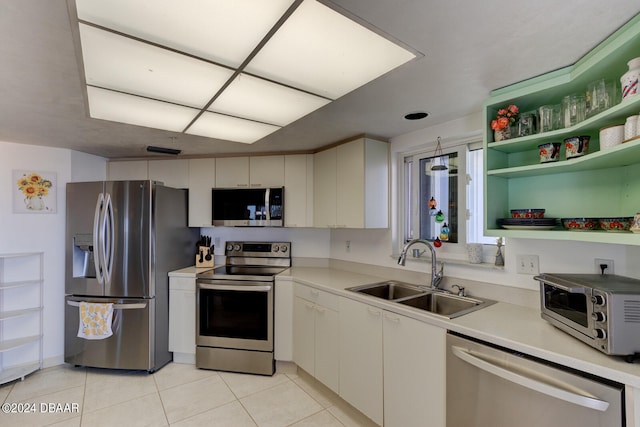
[{"x": 436, "y": 276}]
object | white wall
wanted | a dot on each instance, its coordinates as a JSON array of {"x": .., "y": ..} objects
[
  {"x": 305, "y": 242},
  {"x": 33, "y": 232},
  {"x": 377, "y": 246}
]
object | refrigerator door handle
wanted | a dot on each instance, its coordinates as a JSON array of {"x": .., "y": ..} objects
[
  {"x": 97, "y": 239},
  {"x": 109, "y": 237}
]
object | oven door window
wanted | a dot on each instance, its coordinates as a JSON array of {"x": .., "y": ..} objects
[
  {"x": 572, "y": 306},
  {"x": 234, "y": 314}
]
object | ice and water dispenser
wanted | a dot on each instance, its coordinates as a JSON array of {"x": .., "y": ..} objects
[{"x": 83, "y": 262}]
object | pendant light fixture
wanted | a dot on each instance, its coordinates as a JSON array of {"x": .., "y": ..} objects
[{"x": 438, "y": 155}]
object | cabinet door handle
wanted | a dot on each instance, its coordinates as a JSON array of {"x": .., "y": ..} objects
[
  {"x": 314, "y": 294},
  {"x": 309, "y": 305},
  {"x": 393, "y": 319},
  {"x": 373, "y": 311},
  {"x": 321, "y": 310}
]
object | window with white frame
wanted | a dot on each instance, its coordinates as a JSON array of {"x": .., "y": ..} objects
[{"x": 444, "y": 204}]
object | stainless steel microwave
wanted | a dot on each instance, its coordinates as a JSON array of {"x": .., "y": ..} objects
[{"x": 247, "y": 207}]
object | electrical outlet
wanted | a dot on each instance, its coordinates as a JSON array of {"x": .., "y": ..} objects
[
  {"x": 527, "y": 264},
  {"x": 609, "y": 266},
  {"x": 348, "y": 245},
  {"x": 216, "y": 241}
]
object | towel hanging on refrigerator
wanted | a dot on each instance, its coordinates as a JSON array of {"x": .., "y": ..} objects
[{"x": 95, "y": 321}]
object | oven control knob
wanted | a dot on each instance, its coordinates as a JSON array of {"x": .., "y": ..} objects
[
  {"x": 598, "y": 316},
  {"x": 600, "y": 333},
  {"x": 597, "y": 300},
  {"x": 275, "y": 248}
]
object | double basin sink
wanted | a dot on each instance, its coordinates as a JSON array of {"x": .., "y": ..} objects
[{"x": 434, "y": 301}]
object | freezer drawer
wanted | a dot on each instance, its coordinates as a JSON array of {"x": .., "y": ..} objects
[{"x": 130, "y": 346}]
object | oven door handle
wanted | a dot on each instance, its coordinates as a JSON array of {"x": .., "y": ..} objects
[
  {"x": 246, "y": 288},
  {"x": 572, "y": 289}
]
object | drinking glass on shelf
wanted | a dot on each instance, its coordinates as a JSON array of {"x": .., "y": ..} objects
[
  {"x": 580, "y": 105},
  {"x": 527, "y": 123},
  {"x": 612, "y": 94},
  {"x": 557, "y": 119},
  {"x": 545, "y": 118},
  {"x": 573, "y": 109},
  {"x": 594, "y": 96}
]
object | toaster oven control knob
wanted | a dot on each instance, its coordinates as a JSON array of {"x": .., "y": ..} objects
[
  {"x": 598, "y": 316},
  {"x": 236, "y": 247},
  {"x": 284, "y": 248},
  {"x": 229, "y": 247},
  {"x": 600, "y": 333},
  {"x": 597, "y": 300},
  {"x": 275, "y": 248}
]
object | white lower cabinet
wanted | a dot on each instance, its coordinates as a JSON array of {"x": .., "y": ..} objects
[
  {"x": 392, "y": 367},
  {"x": 182, "y": 319},
  {"x": 361, "y": 357},
  {"x": 388, "y": 366},
  {"x": 414, "y": 372},
  {"x": 316, "y": 334}
]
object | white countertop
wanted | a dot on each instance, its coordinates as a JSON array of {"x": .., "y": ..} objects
[
  {"x": 516, "y": 327},
  {"x": 188, "y": 271}
]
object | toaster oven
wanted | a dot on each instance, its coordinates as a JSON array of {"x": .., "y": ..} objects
[{"x": 600, "y": 310}]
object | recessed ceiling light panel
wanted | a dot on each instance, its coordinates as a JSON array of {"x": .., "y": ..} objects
[
  {"x": 222, "y": 31},
  {"x": 246, "y": 68},
  {"x": 120, "y": 63},
  {"x": 120, "y": 107},
  {"x": 261, "y": 100},
  {"x": 220, "y": 126},
  {"x": 321, "y": 51}
]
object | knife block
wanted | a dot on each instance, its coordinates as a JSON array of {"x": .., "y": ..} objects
[{"x": 204, "y": 250}]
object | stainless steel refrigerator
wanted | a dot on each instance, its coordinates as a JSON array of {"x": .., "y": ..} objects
[{"x": 122, "y": 239}]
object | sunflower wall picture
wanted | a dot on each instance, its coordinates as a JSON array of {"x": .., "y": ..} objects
[{"x": 34, "y": 192}]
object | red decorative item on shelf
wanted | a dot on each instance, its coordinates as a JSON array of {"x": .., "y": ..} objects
[
  {"x": 504, "y": 119},
  {"x": 437, "y": 243}
]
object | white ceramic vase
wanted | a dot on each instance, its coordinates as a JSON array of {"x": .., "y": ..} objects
[{"x": 629, "y": 80}]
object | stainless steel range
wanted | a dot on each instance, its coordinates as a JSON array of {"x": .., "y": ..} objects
[{"x": 234, "y": 308}]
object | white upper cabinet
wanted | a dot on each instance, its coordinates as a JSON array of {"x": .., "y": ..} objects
[
  {"x": 266, "y": 171},
  {"x": 202, "y": 178},
  {"x": 298, "y": 190},
  {"x": 232, "y": 172},
  {"x": 258, "y": 172},
  {"x": 134, "y": 170},
  {"x": 351, "y": 185},
  {"x": 172, "y": 173},
  {"x": 324, "y": 188}
]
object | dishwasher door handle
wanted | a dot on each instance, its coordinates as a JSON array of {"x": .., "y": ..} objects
[{"x": 531, "y": 383}]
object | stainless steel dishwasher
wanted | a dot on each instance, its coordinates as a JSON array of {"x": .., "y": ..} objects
[{"x": 492, "y": 386}]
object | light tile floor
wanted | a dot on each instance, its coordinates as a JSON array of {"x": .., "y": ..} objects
[{"x": 176, "y": 395}]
